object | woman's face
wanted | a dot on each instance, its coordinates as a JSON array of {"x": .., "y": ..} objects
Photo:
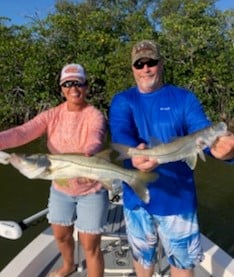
[{"x": 75, "y": 92}]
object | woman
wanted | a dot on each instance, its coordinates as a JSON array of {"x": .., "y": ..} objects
[{"x": 71, "y": 127}]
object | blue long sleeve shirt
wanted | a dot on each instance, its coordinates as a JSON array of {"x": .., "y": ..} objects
[{"x": 162, "y": 115}]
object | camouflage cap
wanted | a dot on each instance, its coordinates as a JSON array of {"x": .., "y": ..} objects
[{"x": 145, "y": 49}]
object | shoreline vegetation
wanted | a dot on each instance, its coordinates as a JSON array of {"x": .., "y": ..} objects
[{"x": 197, "y": 41}]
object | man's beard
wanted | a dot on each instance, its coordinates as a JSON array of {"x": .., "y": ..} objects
[{"x": 148, "y": 85}]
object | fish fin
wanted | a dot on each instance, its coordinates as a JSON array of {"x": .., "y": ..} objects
[
  {"x": 202, "y": 155},
  {"x": 139, "y": 186},
  {"x": 122, "y": 150},
  {"x": 143, "y": 193},
  {"x": 62, "y": 182},
  {"x": 4, "y": 157},
  {"x": 105, "y": 154},
  {"x": 191, "y": 161}
]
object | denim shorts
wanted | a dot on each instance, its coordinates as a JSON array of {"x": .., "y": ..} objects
[
  {"x": 179, "y": 235},
  {"x": 88, "y": 213}
]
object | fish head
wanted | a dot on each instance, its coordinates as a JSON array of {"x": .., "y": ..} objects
[
  {"x": 31, "y": 166},
  {"x": 4, "y": 157},
  {"x": 208, "y": 135},
  {"x": 218, "y": 129}
]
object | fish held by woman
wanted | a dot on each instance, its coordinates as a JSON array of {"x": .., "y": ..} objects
[{"x": 61, "y": 167}]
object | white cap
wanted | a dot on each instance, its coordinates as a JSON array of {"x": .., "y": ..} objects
[{"x": 73, "y": 72}]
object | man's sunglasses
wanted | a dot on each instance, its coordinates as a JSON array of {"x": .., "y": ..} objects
[
  {"x": 150, "y": 63},
  {"x": 69, "y": 84}
]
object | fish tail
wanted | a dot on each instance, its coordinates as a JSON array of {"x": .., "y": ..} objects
[
  {"x": 141, "y": 182},
  {"x": 122, "y": 150}
]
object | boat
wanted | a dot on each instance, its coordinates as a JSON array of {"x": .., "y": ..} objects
[{"x": 41, "y": 255}]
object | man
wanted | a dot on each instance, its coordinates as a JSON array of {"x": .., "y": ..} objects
[{"x": 161, "y": 111}]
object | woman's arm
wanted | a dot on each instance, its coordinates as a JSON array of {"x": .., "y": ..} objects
[{"x": 24, "y": 133}]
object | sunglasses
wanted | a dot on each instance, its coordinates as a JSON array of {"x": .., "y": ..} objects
[
  {"x": 69, "y": 84},
  {"x": 150, "y": 63}
]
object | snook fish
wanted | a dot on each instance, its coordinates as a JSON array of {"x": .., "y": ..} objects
[
  {"x": 60, "y": 167},
  {"x": 184, "y": 148}
]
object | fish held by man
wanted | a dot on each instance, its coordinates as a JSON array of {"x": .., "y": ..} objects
[
  {"x": 61, "y": 167},
  {"x": 185, "y": 148}
]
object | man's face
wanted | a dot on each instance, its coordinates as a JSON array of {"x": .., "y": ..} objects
[{"x": 148, "y": 74}]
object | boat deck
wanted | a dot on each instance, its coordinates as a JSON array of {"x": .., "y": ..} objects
[
  {"x": 41, "y": 255},
  {"x": 118, "y": 260}
]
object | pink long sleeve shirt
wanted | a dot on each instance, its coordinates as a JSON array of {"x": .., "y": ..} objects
[{"x": 67, "y": 132}]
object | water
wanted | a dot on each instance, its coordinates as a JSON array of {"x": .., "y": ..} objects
[
  {"x": 215, "y": 188},
  {"x": 21, "y": 198}
]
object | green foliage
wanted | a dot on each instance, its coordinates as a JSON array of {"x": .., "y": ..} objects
[{"x": 196, "y": 39}]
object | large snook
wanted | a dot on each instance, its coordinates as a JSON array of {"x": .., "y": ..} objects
[
  {"x": 184, "y": 148},
  {"x": 61, "y": 167}
]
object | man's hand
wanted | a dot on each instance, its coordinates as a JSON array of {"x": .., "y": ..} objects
[
  {"x": 144, "y": 163},
  {"x": 223, "y": 147}
]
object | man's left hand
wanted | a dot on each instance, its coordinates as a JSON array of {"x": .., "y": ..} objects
[{"x": 223, "y": 147}]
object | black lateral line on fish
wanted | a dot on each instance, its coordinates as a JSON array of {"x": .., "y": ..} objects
[
  {"x": 161, "y": 155},
  {"x": 96, "y": 165}
]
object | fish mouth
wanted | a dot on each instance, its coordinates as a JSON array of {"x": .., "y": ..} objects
[
  {"x": 15, "y": 160},
  {"x": 22, "y": 160},
  {"x": 19, "y": 163}
]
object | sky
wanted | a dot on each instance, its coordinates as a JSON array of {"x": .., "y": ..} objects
[{"x": 20, "y": 11}]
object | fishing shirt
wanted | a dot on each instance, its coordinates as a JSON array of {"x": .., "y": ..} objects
[
  {"x": 163, "y": 115},
  {"x": 67, "y": 132}
]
